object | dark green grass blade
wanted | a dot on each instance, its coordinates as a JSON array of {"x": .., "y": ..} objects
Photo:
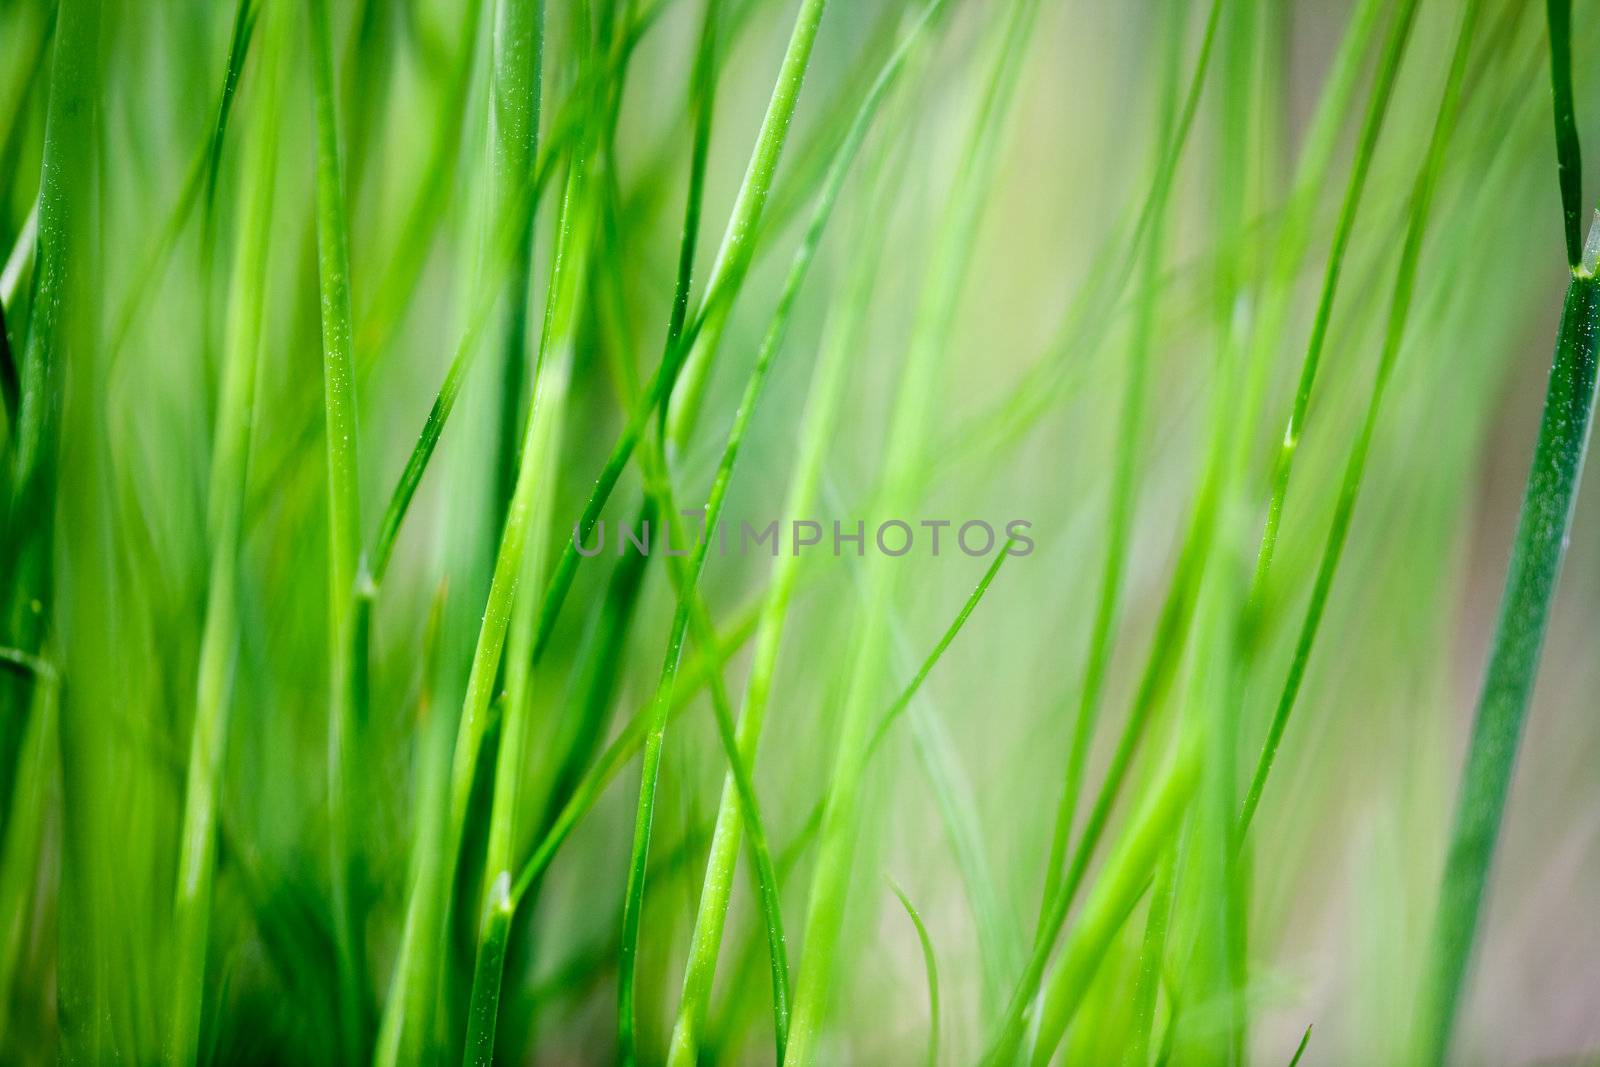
[
  {"x": 930, "y": 963},
  {"x": 1536, "y": 557},
  {"x": 1569, "y": 162},
  {"x": 1300, "y": 1050}
]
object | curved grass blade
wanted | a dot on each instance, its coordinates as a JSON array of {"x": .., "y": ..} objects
[
  {"x": 739, "y": 240},
  {"x": 892, "y": 714},
  {"x": 727, "y": 277},
  {"x": 1537, "y": 554},
  {"x": 1394, "y": 333},
  {"x": 931, "y": 964}
]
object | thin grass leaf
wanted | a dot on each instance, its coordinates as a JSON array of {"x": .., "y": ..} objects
[
  {"x": 1394, "y": 333},
  {"x": 739, "y": 240},
  {"x": 711, "y": 915},
  {"x": 930, "y": 963},
  {"x": 1300, "y": 1050},
  {"x": 1540, "y": 547},
  {"x": 344, "y": 514},
  {"x": 1130, "y": 429},
  {"x": 906, "y": 439},
  {"x": 26, "y": 818},
  {"x": 521, "y": 523},
  {"x": 1569, "y": 161},
  {"x": 226, "y": 500},
  {"x": 691, "y": 678},
  {"x": 727, "y": 276},
  {"x": 1371, "y": 126},
  {"x": 1117, "y": 889},
  {"x": 1152, "y": 956}
]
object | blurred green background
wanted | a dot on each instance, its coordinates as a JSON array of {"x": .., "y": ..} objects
[{"x": 1030, "y": 169}]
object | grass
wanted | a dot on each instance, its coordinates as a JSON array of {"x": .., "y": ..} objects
[{"x": 344, "y": 345}]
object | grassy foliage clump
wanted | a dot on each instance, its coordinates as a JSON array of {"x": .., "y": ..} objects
[{"x": 452, "y": 463}]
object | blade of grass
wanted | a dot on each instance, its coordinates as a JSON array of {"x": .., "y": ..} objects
[
  {"x": 1394, "y": 49},
  {"x": 931, "y": 964},
  {"x": 727, "y": 276},
  {"x": 344, "y": 516},
  {"x": 691, "y": 678},
  {"x": 1569, "y": 161},
  {"x": 398, "y": 1037},
  {"x": 1117, "y": 889},
  {"x": 220, "y": 638},
  {"x": 24, "y": 827},
  {"x": 738, "y": 242},
  {"x": 522, "y": 522},
  {"x": 1130, "y": 428},
  {"x": 1300, "y": 1050},
  {"x": 905, "y": 445},
  {"x": 1355, "y": 468},
  {"x": 1543, "y": 529},
  {"x": 711, "y": 914},
  {"x": 198, "y": 188}
]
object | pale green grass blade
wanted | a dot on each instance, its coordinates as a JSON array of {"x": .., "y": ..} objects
[
  {"x": 1371, "y": 126},
  {"x": 712, "y": 912},
  {"x": 931, "y": 964},
  {"x": 1116, "y": 891}
]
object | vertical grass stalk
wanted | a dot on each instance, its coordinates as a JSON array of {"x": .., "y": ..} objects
[{"x": 226, "y": 500}]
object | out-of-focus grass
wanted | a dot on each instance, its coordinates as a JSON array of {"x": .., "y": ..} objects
[{"x": 313, "y": 752}]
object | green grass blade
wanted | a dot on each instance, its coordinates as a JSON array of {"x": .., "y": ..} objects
[
  {"x": 896, "y": 707},
  {"x": 906, "y": 438},
  {"x": 520, "y": 523},
  {"x": 23, "y": 831},
  {"x": 1152, "y": 957},
  {"x": 691, "y": 679},
  {"x": 1120, "y": 514},
  {"x": 711, "y": 914},
  {"x": 1394, "y": 333},
  {"x": 1569, "y": 162},
  {"x": 344, "y": 512},
  {"x": 727, "y": 276},
  {"x": 1300, "y": 1050},
  {"x": 1371, "y": 126},
  {"x": 931, "y": 964},
  {"x": 1116, "y": 891},
  {"x": 739, "y": 240},
  {"x": 226, "y": 500},
  {"x": 199, "y": 185},
  {"x": 1537, "y": 554}
]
